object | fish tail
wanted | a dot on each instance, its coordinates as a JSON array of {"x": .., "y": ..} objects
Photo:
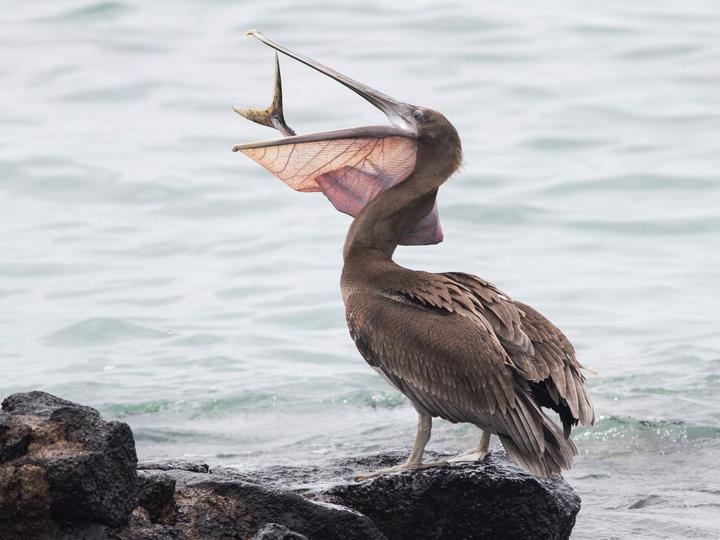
[{"x": 272, "y": 116}]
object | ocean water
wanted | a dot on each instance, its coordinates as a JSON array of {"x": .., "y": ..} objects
[{"x": 148, "y": 271}]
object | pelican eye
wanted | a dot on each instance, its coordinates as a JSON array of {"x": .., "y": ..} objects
[{"x": 418, "y": 114}]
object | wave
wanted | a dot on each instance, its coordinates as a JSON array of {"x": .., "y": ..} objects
[{"x": 637, "y": 430}]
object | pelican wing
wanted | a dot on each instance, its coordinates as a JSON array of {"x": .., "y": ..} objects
[
  {"x": 536, "y": 347},
  {"x": 429, "y": 341},
  {"x": 350, "y": 166}
]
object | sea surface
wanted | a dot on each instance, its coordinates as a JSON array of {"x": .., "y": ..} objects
[{"x": 150, "y": 272}]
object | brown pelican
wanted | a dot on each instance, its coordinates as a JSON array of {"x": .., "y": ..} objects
[{"x": 454, "y": 344}]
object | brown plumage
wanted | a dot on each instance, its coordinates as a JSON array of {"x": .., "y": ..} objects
[
  {"x": 460, "y": 349},
  {"x": 454, "y": 344}
]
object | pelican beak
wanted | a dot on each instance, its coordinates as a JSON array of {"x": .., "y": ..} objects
[{"x": 400, "y": 114}]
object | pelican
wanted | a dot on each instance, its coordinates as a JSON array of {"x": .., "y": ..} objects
[{"x": 457, "y": 346}]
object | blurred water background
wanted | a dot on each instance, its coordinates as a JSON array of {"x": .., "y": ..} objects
[{"x": 149, "y": 272}]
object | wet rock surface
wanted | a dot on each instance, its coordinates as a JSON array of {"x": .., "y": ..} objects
[
  {"x": 66, "y": 473},
  {"x": 492, "y": 500},
  {"x": 225, "y": 505}
]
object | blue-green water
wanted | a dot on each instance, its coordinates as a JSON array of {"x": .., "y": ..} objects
[{"x": 148, "y": 271}]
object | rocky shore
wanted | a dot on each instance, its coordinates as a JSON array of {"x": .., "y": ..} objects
[{"x": 65, "y": 473}]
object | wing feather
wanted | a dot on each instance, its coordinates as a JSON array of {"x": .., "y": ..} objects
[{"x": 536, "y": 348}]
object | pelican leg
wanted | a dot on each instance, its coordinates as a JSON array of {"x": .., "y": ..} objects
[
  {"x": 476, "y": 455},
  {"x": 414, "y": 460}
]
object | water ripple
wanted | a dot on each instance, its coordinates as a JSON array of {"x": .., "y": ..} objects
[{"x": 100, "y": 331}]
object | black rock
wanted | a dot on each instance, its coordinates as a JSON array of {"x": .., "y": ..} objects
[
  {"x": 274, "y": 531},
  {"x": 224, "y": 504},
  {"x": 495, "y": 499},
  {"x": 37, "y": 403},
  {"x": 173, "y": 465},
  {"x": 60, "y": 462},
  {"x": 216, "y": 506},
  {"x": 156, "y": 494},
  {"x": 141, "y": 528},
  {"x": 13, "y": 442}
]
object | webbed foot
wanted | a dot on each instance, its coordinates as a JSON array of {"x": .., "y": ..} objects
[
  {"x": 399, "y": 468},
  {"x": 474, "y": 456}
]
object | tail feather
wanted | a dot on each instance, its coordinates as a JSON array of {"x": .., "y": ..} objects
[{"x": 558, "y": 454}]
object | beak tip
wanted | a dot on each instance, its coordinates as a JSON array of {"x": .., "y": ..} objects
[{"x": 253, "y": 32}]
